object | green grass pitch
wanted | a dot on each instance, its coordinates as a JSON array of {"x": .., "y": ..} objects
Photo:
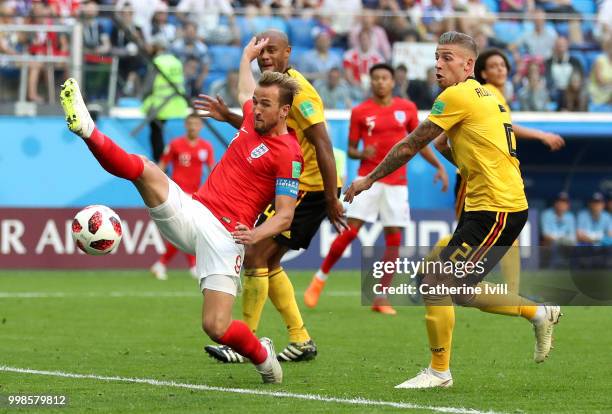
[{"x": 126, "y": 324}]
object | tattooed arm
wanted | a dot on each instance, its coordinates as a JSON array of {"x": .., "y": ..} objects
[{"x": 399, "y": 155}]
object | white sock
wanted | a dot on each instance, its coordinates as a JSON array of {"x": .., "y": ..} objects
[
  {"x": 540, "y": 314},
  {"x": 321, "y": 275},
  {"x": 444, "y": 375}
]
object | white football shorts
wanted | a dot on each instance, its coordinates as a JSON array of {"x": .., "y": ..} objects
[
  {"x": 390, "y": 202},
  {"x": 193, "y": 229}
]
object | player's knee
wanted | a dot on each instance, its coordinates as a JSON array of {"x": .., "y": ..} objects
[
  {"x": 254, "y": 260},
  {"x": 463, "y": 299},
  {"x": 215, "y": 327}
]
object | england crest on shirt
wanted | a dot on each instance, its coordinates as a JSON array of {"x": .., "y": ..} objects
[
  {"x": 260, "y": 150},
  {"x": 400, "y": 116}
]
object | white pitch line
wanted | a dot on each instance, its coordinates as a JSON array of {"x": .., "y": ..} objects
[
  {"x": 127, "y": 294},
  {"x": 291, "y": 395}
]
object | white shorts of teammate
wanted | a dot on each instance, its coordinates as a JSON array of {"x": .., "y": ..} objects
[
  {"x": 192, "y": 228},
  {"x": 390, "y": 202}
]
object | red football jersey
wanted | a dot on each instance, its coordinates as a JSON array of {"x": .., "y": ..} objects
[
  {"x": 244, "y": 182},
  {"x": 187, "y": 159},
  {"x": 382, "y": 127}
]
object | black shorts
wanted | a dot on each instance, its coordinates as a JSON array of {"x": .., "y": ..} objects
[
  {"x": 310, "y": 211},
  {"x": 483, "y": 236}
]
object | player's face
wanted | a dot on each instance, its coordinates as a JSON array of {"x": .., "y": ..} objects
[
  {"x": 453, "y": 65},
  {"x": 193, "y": 126},
  {"x": 382, "y": 83},
  {"x": 495, "y": 71},
  {"x": 267, "y": 111},
  {"x": 275, "y": 56}
]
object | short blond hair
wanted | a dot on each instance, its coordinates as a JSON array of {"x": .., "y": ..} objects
[{"x": 288, "y": 87}]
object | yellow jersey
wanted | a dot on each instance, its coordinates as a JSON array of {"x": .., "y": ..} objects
[
  {"x": 484, "y": 147},
  {"x": 307, "y": 110},
  {"x": 498, "y": 94}
]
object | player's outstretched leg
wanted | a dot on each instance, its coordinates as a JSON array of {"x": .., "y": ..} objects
[
  {"x": 150, "y": 181},
  {"x": 218, "y": 324},
  {"x": 339, "y": 245}
]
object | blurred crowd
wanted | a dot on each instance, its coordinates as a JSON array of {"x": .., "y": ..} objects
[{"x": 559, "y": 64}]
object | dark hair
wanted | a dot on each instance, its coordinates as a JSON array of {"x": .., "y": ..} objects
[
  {"x": 287, "y": 86},
  {"x": 401, "y": 66},
  {"x": 481, "y": 63},
  {"x": 384, "y": 66},
  {"x": 194, "y": 114},
  {"x": 461, "y": 39}
]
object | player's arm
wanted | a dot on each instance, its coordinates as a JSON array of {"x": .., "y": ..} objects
[
  {"x": 162, "y": 165},
  {"x": 354, "y": 152},
  {"x": 400, "y": 154},
  {"x": 553, "y": 141},
  {"x": 284, "y": 207},
  {"x": 317, "y": 135},
  {"x": 441, "y": 144},
  {"x": 246, "y": 81},
  {"x": 441, "y": 175}
]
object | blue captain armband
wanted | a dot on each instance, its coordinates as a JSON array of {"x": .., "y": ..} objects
[{"x": 287, "y": 187}]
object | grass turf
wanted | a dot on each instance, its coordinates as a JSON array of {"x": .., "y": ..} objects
[{"x": 130, "y": 325}]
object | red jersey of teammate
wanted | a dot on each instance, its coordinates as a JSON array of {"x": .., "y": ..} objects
[
  {"x": 244, "y": 182},
  {"x": 187, "y": 159},
  {"x": 382, "y": 127}
]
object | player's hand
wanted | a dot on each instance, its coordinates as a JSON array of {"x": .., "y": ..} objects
[
  {"x": 214, "y": 108},
  {"x": 242, "y": 234},
  {"x": 335, "y": 213},
  {"x": 368, "y": 152},
  {"x": 254, "y": 48},
  {"x": 357, "y": 186},
  {"x": 554, "y": 142},
  {"x": 442, "y": 176}
]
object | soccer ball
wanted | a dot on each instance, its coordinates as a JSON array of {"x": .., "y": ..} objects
[{"x": 97, "y": 230}]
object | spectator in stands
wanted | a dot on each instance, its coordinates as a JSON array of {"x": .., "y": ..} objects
[
  {"x": 594, "y": 222},
  {"x": 559, "y": 69},
  {"x": 378, "y": 36},
  {"x": 533, "y": 96},
  {"x": 124, "y": 46},
  {"x": 539, "y": 40},
  {"x": 160, "y": 27},
  {"x": 358, "y": 60},
  {"x": 317, "y": 62},
  {"x": 559, "y": 223},
  {"x": 227, "y": 89},
  {"x": 564, "y": 7},
  {"x": 187, "y": 46},
  {"x": 207, "y": 15},
  {"x": 64, "y": 8},
  {"x": 600, "y": 86},
  {"x": 95, "y": 40},
  {"x": 438, "y": 18},
  {"x": 401, "y": 82},
  {"x": 193, "y": 80},
  {"x": 609, "y": 203},
  {"x": 575, "y": 97},
  {"x": 424, "y": 92},
  {"x": 42, "y": 43},
  {"x": 342, "y": 14},
  {"x": 143, "y": 14},
  {"x": 603, "y": 27},
  {"x": 516, "y": 6},
  {"x": 479, "y": 18},
  {"x": 334, "y": 91}
]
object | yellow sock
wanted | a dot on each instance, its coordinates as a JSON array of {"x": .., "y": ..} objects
[
  {"x": 283, "y": 297},
  {"x": 440, "y": 321},
  {"x": 254, "y": 295},
  {"x": 510, "y": 304},
  {"x": 510, "y": 266}
]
